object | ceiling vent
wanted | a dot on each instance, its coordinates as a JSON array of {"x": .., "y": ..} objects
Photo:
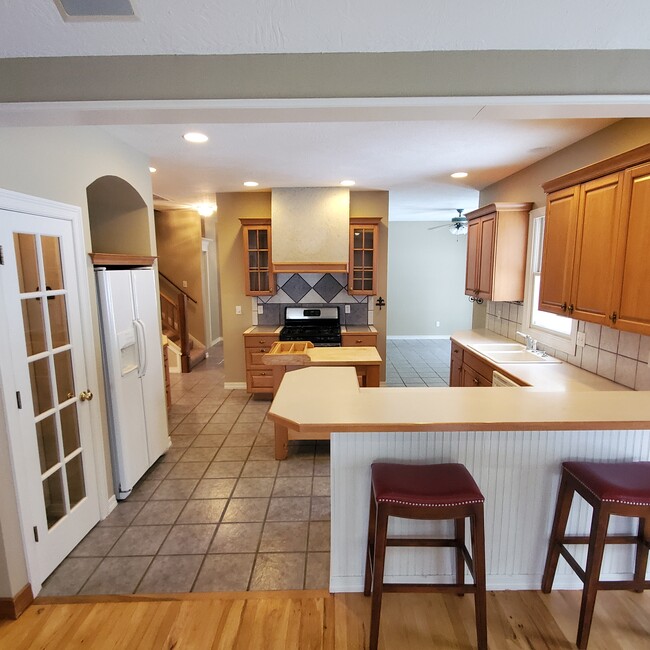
[{"x": 95, "y": 9}]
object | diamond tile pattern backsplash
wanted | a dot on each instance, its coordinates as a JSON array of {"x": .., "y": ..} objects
[
  {"x": 314, "y": 290},
  {"x": 621, "y": 357}
]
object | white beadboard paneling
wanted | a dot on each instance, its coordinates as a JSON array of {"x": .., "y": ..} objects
[{"x": 517, "y": 471}]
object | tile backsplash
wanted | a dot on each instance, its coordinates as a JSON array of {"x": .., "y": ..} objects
[
  {"x": 621, "y": 357},
  {"x": 313, "y": 290}
]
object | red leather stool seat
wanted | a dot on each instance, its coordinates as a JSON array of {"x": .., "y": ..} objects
[
  {"x": 424, "y": 485},
  {"x": 626, "y": 483}
]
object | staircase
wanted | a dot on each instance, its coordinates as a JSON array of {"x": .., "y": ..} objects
[{"x": 173, "y": 311}]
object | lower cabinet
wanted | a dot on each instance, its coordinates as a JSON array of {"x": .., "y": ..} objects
[
  {"x": 259, "y": 377},
  {"x": 366, "y": 340},
  {"x": 468, "y": 369}
]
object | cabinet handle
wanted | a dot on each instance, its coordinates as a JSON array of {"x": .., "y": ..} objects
[
  {"x": 613, "y": 317},
  {"x": 570, "y": 308},
  {"x": 358, "y": 341},
  {"x": 263, "y": 374},
  {"x": 262, "y": 341},
  {"x": 563, "y": 306},
  {"x": 476, "y": 380}
]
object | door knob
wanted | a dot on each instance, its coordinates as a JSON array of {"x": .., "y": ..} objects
[{"x": 85, "y": 396}]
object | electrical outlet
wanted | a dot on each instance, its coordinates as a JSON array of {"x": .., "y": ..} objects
[
  {"x": 437, "y": 323},
  {"x": 184, "y": 284},
  {"x": 238, "y": 310},
  {"x": 260, "y": 309},
  {"x": 581, "y": 339},
  {"x": 347, "y": 309}
]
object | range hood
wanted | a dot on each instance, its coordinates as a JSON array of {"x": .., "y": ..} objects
[{"x": 310, "y": 230}]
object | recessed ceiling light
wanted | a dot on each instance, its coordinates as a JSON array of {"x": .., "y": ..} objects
[
  {"x": 251, "y": 183},
  {"x": 196, "y": 137},
  {"x": 348, "y": 183},
  {"x": 153, "y": 170},
  {"x": 459, "y": 175}
]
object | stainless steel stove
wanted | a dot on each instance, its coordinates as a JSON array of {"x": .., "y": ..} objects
[{"x": 320, "y": 325}]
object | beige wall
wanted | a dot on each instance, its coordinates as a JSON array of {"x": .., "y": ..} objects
[
  {"x": 426, "y": 280},
  {"x": 178, "y": 237},
  {"x": 44, "y": 163},
  {"x": 232, "y": 206}
]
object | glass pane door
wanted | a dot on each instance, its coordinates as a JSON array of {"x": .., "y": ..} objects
[{"x": 49, "y": 357}]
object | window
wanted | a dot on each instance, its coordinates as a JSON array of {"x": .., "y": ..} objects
[{"x": 549, "y": 329}]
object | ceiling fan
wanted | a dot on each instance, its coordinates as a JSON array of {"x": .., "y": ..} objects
[{"x": 458, "y": 225}]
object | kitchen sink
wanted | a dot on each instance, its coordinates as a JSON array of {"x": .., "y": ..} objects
[{"x": 511, "y": 353}]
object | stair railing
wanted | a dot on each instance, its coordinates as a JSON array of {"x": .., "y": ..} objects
[{"x": 173, "y": 314}]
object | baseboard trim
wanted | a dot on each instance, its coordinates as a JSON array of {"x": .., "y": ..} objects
[
  {"x": 12, "y": 608},
  {"x": 419, "y": 336},
  {"x": 112, "y": 503},
  {"x": 235, "y": 385}
]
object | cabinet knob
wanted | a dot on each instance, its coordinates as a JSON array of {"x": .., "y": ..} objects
[
  {"x": 563, "y": 306},
  {"x": 570, "y": 308},
  {"x": 613, "y": 317},
  {"x": 263, "y": 374},
  {"x": 358, "y": 341},
  {"x": 476, "y": 380},
  {"x": 261, "y": 340}
]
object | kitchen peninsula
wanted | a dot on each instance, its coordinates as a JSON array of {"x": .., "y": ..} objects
[{"x": 512, "y": 441}]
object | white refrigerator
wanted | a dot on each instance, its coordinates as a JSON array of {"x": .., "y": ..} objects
[{"x": 133, "y": 372}]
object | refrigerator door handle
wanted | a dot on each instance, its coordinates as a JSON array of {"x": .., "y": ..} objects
[{"x": 142, "y": 347}]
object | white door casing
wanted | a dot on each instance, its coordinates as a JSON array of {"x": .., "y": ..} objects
[{"x": 81, "y": 509}]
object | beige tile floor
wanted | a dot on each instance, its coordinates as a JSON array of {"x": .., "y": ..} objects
[{"x": 218, "y": 512}]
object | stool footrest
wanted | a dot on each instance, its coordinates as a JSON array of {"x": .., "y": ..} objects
[
  {"x": 611, "y": 539},
  {"x": 623, "y": 585},
  {"x": 429, "y": 588},
  {"x": 421, "y": 541}
]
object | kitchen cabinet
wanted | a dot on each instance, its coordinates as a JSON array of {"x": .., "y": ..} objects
[
  {"x": 355, "y": 339},
  {"x": 364, "y": 250},
  {"x": 470, "y": 370},
  {"x": 580, "y": 234},
  {"x": 595, "y": 262},
  {"x": 497, "y": 236},
  {"x": 258, "y": 277},
  {"x": 259, "y": 377}
]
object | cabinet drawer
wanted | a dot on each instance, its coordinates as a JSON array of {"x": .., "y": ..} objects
[
  {"x": 478, "y": 365},
  {"x": 260, "y": 340},
  {"x": 359, "y": 340},
  {"x": 471, "y": 378},
  {"x": 254, "y": 357},
  {"x": 260, "y": 381}
]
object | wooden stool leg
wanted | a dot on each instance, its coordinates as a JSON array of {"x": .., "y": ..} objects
[
  {"x": 370, "y": 549},
  {"x": 597, "y": 537},
  {"x": 478, "y": 559},
  {"x": 378, "y": 575},
  {"x": 459, "y": 526},
  {"x": 641, "y": 563},
  {"x": 562, "y": 509}
]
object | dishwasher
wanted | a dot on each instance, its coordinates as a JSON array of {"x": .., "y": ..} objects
[{"x": 501, "y": 381}]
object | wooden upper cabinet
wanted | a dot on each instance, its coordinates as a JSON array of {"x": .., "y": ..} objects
[
  {"x": 364, "y": 250},
  {"x": 579, "y": 247},
  {"x": 557, "y": 253},
  {"x": 258, "y": 278},
  {"x": 630, "y": 305},
  {"x": 496, "y": 251},
  {"x": 600, "y": 273}
]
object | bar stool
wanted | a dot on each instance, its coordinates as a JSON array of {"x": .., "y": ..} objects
[
  {"x": 433, "y": 492},
  {"x": 611, "y": 489}
]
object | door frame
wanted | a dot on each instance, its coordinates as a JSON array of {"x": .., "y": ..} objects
[{"x": 23, "y": 203}]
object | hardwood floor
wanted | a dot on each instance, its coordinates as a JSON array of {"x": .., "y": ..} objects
[{"x": 316, "y": 620}]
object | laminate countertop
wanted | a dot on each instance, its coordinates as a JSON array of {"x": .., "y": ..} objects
[{"x": 541, "y": 376}]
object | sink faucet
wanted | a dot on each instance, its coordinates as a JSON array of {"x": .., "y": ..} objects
[{"x": 531, "y": 343}]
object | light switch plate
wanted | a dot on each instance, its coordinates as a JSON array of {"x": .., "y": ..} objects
[
  {"x": 347, "y": 309},
  {"x": 238, "y": 310},
  {"x": 260, "y": 309},
  {"x": 581, "y": 339}
]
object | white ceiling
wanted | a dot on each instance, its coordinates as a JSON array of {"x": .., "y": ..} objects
[{"x": 408, "y": 147}]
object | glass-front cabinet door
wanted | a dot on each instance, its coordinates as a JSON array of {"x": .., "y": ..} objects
[
  {"x": 257, "y": 257},
  {"x": 364, "y": 248}
]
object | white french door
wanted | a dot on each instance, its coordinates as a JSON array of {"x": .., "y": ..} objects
[{"x": 46, "y": 388}]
